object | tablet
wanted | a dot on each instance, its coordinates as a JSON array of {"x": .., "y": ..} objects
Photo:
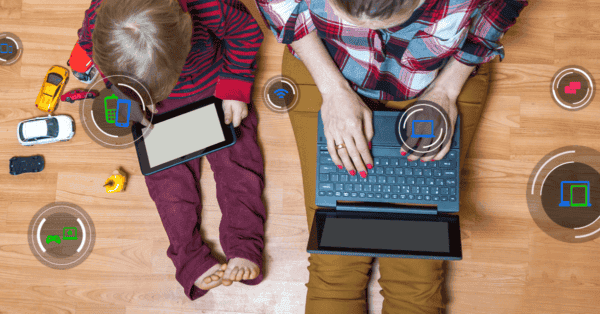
[
  {"x": 378, "y": 234},
  {"x": 183, "y": 134}
]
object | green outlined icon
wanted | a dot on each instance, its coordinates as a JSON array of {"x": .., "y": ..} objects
[
  {"x": 111, "y": 114},
  {"x": 72, "y": 233},
  {"x": 585, "y": 204}
]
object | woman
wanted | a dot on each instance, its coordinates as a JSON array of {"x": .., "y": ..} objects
[{"x": 366, "y": 55}]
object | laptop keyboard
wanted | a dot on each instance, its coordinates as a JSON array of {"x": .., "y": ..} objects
[{"x": 392, "y": 177}]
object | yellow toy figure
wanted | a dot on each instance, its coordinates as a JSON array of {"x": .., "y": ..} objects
[{"x": 116, "y": 183}]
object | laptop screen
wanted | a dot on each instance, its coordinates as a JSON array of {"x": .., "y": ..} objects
[{"x": 396, "y": 235}]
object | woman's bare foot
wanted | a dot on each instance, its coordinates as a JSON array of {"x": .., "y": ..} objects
[
  {"x": 238, "y": 269},
  {"x": 211, "y": 278}
]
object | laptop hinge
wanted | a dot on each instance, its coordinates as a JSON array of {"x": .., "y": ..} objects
[{"x": 387, "y": 208}]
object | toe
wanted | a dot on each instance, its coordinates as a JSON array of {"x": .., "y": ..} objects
[
  {"x": 226, "y": 282},
  {"x": 214, "y": 277},
  {"x": 234, "y": 272},
  {"x": 239, "y": 275},
  {"x": 207, "y": 280},
  {"x": 254, "y": 273}
]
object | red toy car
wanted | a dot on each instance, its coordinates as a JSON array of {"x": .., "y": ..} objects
[
  {"x": 78, "y": 94},
  {"x": 81, "y": 65}
]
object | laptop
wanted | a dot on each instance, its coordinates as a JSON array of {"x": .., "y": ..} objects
[
  {"x": 402, "y": 209},
  {"x": 570, "y": 192}
]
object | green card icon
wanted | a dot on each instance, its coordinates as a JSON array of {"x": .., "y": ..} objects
[
  {"x": 69, "y": 233},
  {"x": 110, "y": 114}
]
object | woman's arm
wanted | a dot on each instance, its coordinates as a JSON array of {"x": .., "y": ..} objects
[
  {"x": 444, "y": 91},
  {"x": 316, "y": 58},
  {"x": 346, "y": 119}
]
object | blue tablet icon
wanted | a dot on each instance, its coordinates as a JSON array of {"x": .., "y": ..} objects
[
  {"x": 5, "y": 48},
  {"x": 567, "y": 198},
  {"x": 427, "y": 135},
  {"x": 126, "y": 123}
]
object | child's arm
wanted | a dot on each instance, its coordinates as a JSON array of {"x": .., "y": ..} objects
[{"x": 241, "y": 36}]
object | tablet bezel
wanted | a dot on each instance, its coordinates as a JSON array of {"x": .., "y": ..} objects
[
  {"x": 316, "y": 233},
  {"x": 140, "y": 145}
]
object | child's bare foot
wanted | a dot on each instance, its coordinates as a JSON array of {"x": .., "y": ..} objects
[
  {"x": 211, "y": 278},
  {"x": 238, "y": 269}
]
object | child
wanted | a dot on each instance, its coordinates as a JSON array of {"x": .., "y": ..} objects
[{"x": 182, "y": 57}]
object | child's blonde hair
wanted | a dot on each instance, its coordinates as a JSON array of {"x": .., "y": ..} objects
[{"x": 146, "y": 39}]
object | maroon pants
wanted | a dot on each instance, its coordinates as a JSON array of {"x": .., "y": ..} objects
[{"x": 239, "y": 173}]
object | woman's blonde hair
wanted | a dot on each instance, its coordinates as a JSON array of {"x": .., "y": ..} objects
[{"x": 148, "y": 40}]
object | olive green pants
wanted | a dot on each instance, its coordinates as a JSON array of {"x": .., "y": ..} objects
[{"x": 337, "y": 284}]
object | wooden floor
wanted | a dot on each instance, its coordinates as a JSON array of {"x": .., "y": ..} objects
[{"x": 509, "y": 265}]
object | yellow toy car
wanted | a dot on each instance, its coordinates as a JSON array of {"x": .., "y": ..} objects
[{"x": 52, "y": 87}]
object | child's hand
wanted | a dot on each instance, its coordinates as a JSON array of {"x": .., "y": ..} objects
[{"x": 235, "y": 111}]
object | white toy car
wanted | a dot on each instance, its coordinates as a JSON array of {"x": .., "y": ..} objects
[{"x": 45, "y": 130}]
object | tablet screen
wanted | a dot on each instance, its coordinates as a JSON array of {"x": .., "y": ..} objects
[
  {"x": 182, "y": 135},
  {"x": 396, "y": 235}
]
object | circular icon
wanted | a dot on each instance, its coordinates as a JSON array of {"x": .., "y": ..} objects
[
  {"x": 281, "y": 94},
  {"x": 11, "y": 48},
  {"x": 573, "y": 88},
  {"x": 424, "y": 128},
  {"x": 61, "y": 235},
  {"x": 563, "y": 194},
  {"x": 109, "y": 118}
]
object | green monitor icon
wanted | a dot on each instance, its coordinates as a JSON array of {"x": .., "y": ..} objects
[{"x": 70, "y": 233}]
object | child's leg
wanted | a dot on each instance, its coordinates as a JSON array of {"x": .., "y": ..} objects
[
  {"x": 239, "y": 173},
  {"x": 176, "y": 194}
]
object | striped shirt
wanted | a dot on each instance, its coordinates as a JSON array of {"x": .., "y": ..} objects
[
  {"x": 398, "y": 63},
  {"x": 225, "y": 40}
]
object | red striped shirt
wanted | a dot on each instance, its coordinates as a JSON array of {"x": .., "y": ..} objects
[{"x": 225, "y": 40}]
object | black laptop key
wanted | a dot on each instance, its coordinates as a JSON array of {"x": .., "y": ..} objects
[
  {"x": 344, "y": 178},
  {"x": 367, "y": 188},
  {"x": 394, "y": 162},
  {"x": 429, "y": 181},
  {"x": 326, "y": 186},
  {"x": 335, "y": 177},
  {"x": 358, "y": 187},
  {"x": 415, "y": 190},
  {"x": 418, "y": 172},
  {"x": 379, "y": 170},
  {"x": 449, "y": 173},
  {"x": 408, "y": 172},
  {"x": 425, "y": 190},
  {"x": 398, "y": 172},
  {"x": 420, "y": 181},
  {"x": 327, "y": 169},
  {"x": 439, "y": 182},
  {"x": 376, "y": 188},
  {"x": 381, "y": 179},
  {"x": 354, "y": 179},
  {"x": 427, "y": 172},
  {"x": 403, "y": 162},
  {"x": 377, "y": 161},
  {"x": 322, "y": 193},
  {"x": 338, "y": 194},
  {"x": 405, "y": 189},
  {"x": 346, "y": 194},
  {"x": 377, "y": 195},
  {"x": 420, "y": 197},
  {"x": 339, "y": 187},
  {"x": 401, "y": 180},
  {"x": 437, "y": 173},
  {"x": 387, "y": 189},
  {"x": 453, "y": 198},
  {"x": 452, "y": 191},
  {"x": 386, "y": 196},
  {"x": 395, "y": 189},
  {"x": 410, "y": 181},
  {"x": 385, "y": 161},
  {"x": 324, "y": 177},
  {"x": 372, "y": 179},
  {"x": 330, "y": 193},
  {"x": 452, "y": 155},
  {"x": 444, "y": 191},
  {"x": 447, "y": 164},
  {"x": 435, "y": 190},
  {"x": 370, "y": 195},
  {"x": 391, "y": 180},
  {"x": 348, "y": 187},
  {"x": 413, "y": 164},
  {"x": 389, "y": 171},
  {"x": 326, "y": 159},
  {"x": 450, "y": 182}
]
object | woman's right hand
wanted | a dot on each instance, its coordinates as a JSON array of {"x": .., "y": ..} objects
[{"x": 347, "y": 120}]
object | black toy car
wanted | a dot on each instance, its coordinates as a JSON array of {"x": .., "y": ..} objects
[{"x": 20, "y": 165}]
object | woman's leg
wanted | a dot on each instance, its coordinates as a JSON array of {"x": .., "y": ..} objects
[
  {"x": 411, "y": 285},
  {"x": 177, "y": 196},
  {"x": 239, "y": 174},
  {"x": 337, "y": 284}
]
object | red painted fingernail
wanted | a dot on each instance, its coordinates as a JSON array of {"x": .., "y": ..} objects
[
  {"x": 432, "y": 160},
  {"x": 403, "y": 153},
  {"x": 422, "y": 160},
  {"x": 363, "y": 174},
  {"x": 369, "y": 166},
  {"x": 340, "y": 166},
  {"x": 352, "y": 173},
  {"x": 369, "y": 145}
]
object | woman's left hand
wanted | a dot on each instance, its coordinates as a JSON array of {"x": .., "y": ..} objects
[
  {"x": 235, "y": 111},
  {"x": 448, "y": 103}
]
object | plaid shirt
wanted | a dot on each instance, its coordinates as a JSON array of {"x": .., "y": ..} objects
[{"x": 398, "y": 63}]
